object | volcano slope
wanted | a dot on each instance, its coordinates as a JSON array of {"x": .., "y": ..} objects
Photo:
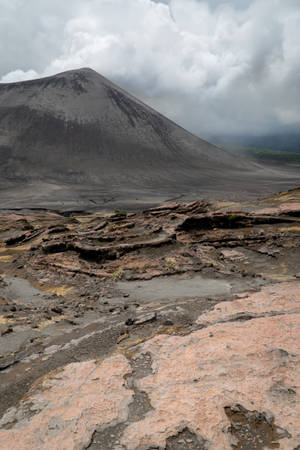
[
  {"x": 172, "y": 328},
  {"x": 76, "y": 141}
]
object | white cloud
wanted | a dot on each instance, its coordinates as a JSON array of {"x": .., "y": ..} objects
[
  {"x": 210, "y": 66},
  {"x": 19, "y": 75}
]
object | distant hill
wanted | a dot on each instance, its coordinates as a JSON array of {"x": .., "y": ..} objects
[
  {"x": 275, "y": 148},
  {"x": 284, "y": 141}
]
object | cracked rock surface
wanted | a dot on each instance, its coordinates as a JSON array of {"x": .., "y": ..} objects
[{"x": 172, "y": 328}]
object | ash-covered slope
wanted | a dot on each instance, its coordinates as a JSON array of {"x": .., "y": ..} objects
[
  {"x": 78, "y": 126},
  {"x": 77, "y": 135}
]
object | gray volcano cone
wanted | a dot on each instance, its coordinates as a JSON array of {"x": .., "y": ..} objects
[{"x": 77, "y": 132}]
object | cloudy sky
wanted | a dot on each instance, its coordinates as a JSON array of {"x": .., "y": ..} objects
[{"x": 214, "y": 66}]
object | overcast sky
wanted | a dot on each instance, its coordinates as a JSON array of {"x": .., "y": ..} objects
[{"x": 214, "y": 66}]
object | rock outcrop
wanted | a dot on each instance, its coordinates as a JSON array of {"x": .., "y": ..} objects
[{"x": 172, "y": 328}]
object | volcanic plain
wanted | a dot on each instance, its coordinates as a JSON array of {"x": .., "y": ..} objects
[{"x": 175, "y": 327}]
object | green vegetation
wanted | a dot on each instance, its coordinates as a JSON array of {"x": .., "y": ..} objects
[
  {"x": 118, "y": 274},
  {"x": 170, "y": 263},
  {"x": 268, "y": 155},
  {"x": 279, "y": 156},
  {"x": 122, "y": 212}
]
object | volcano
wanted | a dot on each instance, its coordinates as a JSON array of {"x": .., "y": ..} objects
[{"x": 76, "y": 138}]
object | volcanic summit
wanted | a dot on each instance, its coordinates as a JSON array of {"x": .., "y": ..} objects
[{"x": 76, "y": 137}]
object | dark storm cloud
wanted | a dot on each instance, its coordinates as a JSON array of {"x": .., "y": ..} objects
[{"x": 214, "y": 67}]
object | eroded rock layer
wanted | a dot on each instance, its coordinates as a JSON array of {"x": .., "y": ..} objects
[{"x": 172, "y": 328}]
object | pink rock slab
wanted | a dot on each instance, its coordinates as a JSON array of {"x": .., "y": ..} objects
[
  {"x": 228, "y": 362},
  {"x": 225, "y": 364},
  {"x": 280, "y": 298},
  {"x": 69, "y": 406},
  {"x": 284, "y": 208}
]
